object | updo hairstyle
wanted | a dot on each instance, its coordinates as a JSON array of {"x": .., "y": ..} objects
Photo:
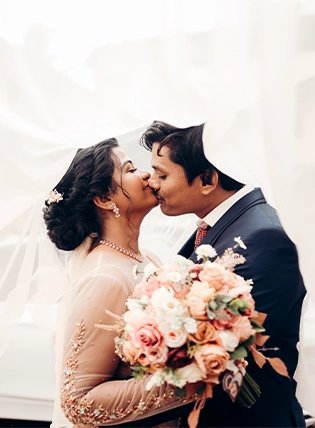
[{"x": 74, "y": 218}]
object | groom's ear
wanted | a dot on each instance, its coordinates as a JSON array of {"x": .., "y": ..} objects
[{"x": 209, "y": 182}]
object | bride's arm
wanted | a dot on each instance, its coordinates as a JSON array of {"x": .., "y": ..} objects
[{"x": 89, "y": 395}]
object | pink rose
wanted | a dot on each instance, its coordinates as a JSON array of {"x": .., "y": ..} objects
[
  {"x": 211, "y": 359},
  {"x": 225, "y": 320},
  {"x": 147, "y": 334},
  {"x": 215, "y": 275},
  {"x": 197, "y": 307},
  {"x": 151, "y": 285}
]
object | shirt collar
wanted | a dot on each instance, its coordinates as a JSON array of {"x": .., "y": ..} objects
[{"x": 221, "y": 209}]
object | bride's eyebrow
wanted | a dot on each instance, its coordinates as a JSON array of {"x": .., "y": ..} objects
[{"x": 126, "y": 163}]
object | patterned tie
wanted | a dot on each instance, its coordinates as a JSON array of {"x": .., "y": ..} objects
[{"x": 201, "y": 232}]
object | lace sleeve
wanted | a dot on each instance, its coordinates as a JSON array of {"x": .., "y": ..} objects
[{"x": 89, "y": 394}]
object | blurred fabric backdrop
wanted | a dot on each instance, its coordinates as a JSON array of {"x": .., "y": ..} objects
[{"x": 74, "y": 72}]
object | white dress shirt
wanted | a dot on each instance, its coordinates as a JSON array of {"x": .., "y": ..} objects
[{"x": 221, "y": 209}]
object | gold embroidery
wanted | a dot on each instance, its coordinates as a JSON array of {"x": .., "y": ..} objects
[{"x": 82, "y": 412}]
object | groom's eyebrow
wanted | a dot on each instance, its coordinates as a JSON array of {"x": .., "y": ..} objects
[{"x": 157, "y": 168}]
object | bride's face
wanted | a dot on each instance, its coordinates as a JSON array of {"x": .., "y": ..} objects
[{"x": 133, "y": 185}]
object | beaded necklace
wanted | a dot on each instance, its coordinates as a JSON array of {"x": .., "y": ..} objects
[{"x": 138, "y": 257}]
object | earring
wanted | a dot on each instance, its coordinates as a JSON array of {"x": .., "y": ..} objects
[{"x": 115, "y": 209}]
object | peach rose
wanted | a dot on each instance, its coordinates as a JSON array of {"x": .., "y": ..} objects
[
  {"x": 153, "y": 356},
  {"x": 158, "y": 355},
  {"x": 205, "y": 333},
  {"x": 197, "y": 307},
  {"x": 231, "y": 279},
  {"x": 147, "y": 334},
  {"x": 214, "y": 274},
  {"x": 211, "y": 359},
  {"x": 242, "y": 328},
  {"x": 151, "y": 285},
  {"x": 143, "y": 358},
  {"x": 202, "y": 290}
]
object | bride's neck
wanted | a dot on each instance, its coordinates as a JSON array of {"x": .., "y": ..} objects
[{"x": 123, "y": 233}]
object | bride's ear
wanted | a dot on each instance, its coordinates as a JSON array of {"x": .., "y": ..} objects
[{"x": 103, "y": 202}]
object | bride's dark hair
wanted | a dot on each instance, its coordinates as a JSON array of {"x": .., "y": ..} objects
[{"x": 90, "y": 174}]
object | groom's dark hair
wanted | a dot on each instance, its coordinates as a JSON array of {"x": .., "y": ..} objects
[{"x": 186, "y": 149}]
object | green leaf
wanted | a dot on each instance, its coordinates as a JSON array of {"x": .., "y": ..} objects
[
  {"x": 213, "y": 305},
  {"x": 225, "y": 299},
  {"x": 240, "y": 352},
  {"x": 210, "y": 313},
  {"x": 249, "y": 341},
  {"x": 180, "y": 392},
  {"x": 257, "y": 326}
]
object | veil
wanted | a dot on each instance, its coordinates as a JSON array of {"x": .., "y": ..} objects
[{"x": 245, "y": 67}]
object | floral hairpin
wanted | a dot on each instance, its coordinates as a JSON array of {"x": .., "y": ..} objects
[{"x": 54, "y": 196}]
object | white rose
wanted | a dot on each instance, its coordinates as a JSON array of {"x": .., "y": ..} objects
[
  {"x": 190, "y": 373},
  {"x": 229, "y": 340},
  {"x": 175, "y": 338}
]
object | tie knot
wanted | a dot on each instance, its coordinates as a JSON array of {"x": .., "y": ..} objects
[{"x": 202, "y": 225}]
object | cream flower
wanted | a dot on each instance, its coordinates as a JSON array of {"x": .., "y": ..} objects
[
  {"x": 150, "y": 269},
  {"x": 173, "y": 276},
  {"x": 229, "y": 340},
  {"x": 240, "y": 243},
  {"x": 175, "y": 338},
  {"x": 206, "y": 251},
  {"x": 191, "y": 373}
]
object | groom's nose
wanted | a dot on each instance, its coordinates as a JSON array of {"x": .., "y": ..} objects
[{"x": 154, "y": 182}]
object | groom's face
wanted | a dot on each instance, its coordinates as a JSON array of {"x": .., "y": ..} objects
[{"x": 175, "y": 195}]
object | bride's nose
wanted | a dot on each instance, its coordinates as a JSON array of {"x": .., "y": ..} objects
[{"x": 145, "y": 175}]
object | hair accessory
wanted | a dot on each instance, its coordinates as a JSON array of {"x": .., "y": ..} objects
[
  {"x": 115, "y": 209},
  {"x": 54, "y": 196}
]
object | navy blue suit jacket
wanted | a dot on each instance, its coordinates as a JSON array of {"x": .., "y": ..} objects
[{"x": 278, "y": 290}]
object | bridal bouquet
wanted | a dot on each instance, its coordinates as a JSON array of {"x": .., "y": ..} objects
[{"x": 192, "y": 326}]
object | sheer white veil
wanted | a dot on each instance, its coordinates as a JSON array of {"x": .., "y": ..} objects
[{"x": 245, "y": 67}]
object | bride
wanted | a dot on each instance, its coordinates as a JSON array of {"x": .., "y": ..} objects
[{"x": 96, "y": 210}]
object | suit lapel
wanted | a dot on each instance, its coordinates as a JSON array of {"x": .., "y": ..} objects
[{"x": 253, "y": 198}]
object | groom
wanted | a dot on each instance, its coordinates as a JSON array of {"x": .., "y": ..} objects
[{"x": 186, "y": 182}]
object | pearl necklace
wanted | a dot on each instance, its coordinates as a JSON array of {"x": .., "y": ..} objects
[{"x": 138, "y": 257}]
